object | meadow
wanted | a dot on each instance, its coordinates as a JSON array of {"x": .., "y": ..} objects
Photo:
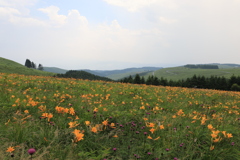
[
  {"x": 68, "y": 119},
  {"x": 179, "y": 73}
]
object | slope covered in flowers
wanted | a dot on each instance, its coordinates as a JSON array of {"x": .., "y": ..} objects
[{"x": 77, "y": 119}]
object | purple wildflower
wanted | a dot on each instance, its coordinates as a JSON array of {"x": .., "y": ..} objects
[{"x": 31, "y": 151}]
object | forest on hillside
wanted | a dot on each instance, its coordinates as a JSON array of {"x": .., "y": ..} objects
[
  {"x": 213, "y": 82},
  {"x": 82, "y": 75}
]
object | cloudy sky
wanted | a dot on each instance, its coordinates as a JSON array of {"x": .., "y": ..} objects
[{"x": 117, "y": 34}]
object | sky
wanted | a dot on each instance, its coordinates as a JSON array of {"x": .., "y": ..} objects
[{"x": 118, "y": 34}]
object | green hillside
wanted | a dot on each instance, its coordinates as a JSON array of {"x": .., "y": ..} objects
[
  {"x": 176, "y": 73},
  {"x": 8, "y": 66},
  {"x": 82, "y": 75},
  {"x": 48, "y": 118},
  {"x": 131, "y": 71},
  {"x": 55, "y": 70}
]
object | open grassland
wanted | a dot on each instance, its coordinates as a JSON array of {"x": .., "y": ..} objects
[
  {"x": 8, "y": 66},
  {"x": 69, "y": 119},
  {"x": 179, "y": 73}
]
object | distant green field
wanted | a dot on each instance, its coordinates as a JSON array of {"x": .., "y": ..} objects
[
  {"x": 8, "y": 66},
  {"x": 122, "y": 75},
  {"x": 55, "y": 70},
  {"x": 177, "y": 73}
]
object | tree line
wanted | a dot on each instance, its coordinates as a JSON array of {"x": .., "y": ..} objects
[
  {"x": 31, "y": 64},
  {"x": 213, "y": 82},
  {"x": 82, "y": 75},
  {"x": 202, "y": 66}
]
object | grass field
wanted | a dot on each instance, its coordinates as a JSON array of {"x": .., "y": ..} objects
[
  {"x": 8, "y": 66},
  {"x": 178, "y": 73},
  {"x": 68, "y": 119}
]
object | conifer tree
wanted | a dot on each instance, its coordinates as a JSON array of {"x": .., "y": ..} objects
[
  {"x": 137, "y": 79},
  {"x": 28, "y": 63},
  {"x": 143, "y": 80},
  {"x": 34, "y": 65},
  {"x": 40, "y": 67}
]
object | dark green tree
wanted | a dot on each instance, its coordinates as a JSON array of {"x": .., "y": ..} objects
[
  {"x": 28, "y": 63},
  {"x": 143, "y": 80},
  {"x": 149, "y": 80},
  {"x": 155, "y": 81},
  {"x": 137, "y": 79},
  {"x": 235, "y": 87},
  {"x": 34, "y": 65},
  {"x": 130, "y": 79},
  {"x": 40, "y": 67}
]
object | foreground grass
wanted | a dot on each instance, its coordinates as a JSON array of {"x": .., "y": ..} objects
[{"x": 75, "y": 119}]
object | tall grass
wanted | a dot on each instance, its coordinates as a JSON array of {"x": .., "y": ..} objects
[{"x": 76, "y": 119}]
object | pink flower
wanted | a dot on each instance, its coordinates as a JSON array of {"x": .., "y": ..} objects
[{"x": 31, "y": 151}]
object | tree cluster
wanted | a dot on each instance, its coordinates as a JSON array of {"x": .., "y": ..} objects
[
  {"x": 33, "y": 65},
  {"x": 202, "y": 66},
  {"x": 82, "y": 75},
  {"x": 213, "y": 82}
]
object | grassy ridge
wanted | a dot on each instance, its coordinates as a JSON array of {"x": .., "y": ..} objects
[
  {"x": 70, "y": 119},
  {"x": 178, "y": 73},
  {"x": 55, "y": 70},
  {"x": 8, "y": 66}
]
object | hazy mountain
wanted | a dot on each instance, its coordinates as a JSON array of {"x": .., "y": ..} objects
[
  {"x": 112, "y": 74},
  {"x": 107, "y": 73}
]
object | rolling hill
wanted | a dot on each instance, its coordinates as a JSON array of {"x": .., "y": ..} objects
[
  {"x": 82, "y": 75},
  {"x": 118, "y": 74},
  {"x": 178, "y": 73},
  {"x": 55, "y": 70},
  {"x": 9, "y": 66},
  {"x": 112, "y": 74}
]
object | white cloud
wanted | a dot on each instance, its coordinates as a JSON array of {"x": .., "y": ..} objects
[
  {"x": 52, "y": 12},
  {"x": 16, "y": 3},
  {"x": 14, "y": 16},
  {"x": 159, "y": 31},
  {"x": 135, "y": 5},
  {"x": 26, "y": 21},
  {"x": 74, "y": 18},
  {"x": 18, "y": 13},
  {"x": 131, "y": 5},
  {"x": 167, "y": 20},
  {"x": 7, "y": 11}
]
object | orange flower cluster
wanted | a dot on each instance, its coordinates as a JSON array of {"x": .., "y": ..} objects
[
  {"x": 65, "y": 110},
  {"x": 73, "y": 124},
  {"x": 215, "y": 134},
  {"x": 10, "y": 149},
  {"x": 47, "y": 115},
  {"x": 78, "y": 135}
]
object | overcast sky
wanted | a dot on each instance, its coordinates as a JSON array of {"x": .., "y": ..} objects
[{"x": 118, "y": 34}]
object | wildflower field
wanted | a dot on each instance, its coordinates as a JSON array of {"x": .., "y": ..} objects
[{"x": 46, "y": 118}]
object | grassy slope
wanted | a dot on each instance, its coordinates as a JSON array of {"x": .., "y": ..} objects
[
  {"x": 55, "y": 70},
  {"x": 8, "y": 66},
  {"x": 127, "y": 74},
  {"x": 185, "y": 116},
  {"x": 121, "y": 75},
  {"x": 177, "y": 73}
]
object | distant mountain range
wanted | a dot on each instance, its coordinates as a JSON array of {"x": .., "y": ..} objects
[
  {"x": 112, "y": 74},
  {"x": 170, "y": 72},
  {"x": 174, "y": 73}
]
